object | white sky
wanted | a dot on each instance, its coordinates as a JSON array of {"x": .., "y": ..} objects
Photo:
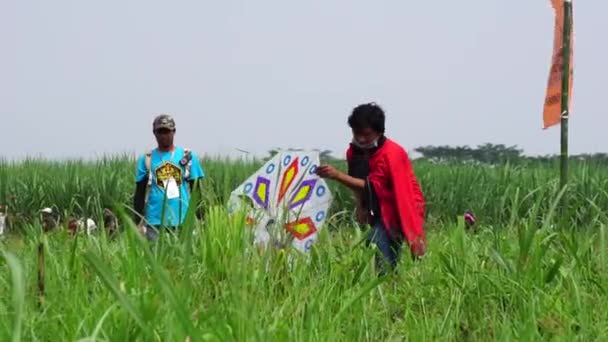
[{"x": 83, "y": 78}]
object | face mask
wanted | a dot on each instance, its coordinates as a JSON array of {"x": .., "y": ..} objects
[{"x": 369, "y": 146}]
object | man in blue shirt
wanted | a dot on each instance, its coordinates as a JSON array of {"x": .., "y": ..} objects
[{"x": 164, "y": 179}]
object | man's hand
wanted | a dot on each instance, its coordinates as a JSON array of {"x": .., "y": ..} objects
[
  {"x": 142, "y": 228},
  {"x": 328, "y": 171}
]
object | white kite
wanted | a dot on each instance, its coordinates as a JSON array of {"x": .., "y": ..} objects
[{"x": 285, "y": 200}]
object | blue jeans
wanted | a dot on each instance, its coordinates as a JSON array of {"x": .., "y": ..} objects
[{"x": 389, "y": 248}]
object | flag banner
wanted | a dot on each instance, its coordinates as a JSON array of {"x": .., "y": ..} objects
[{"x": 553, "y": 99}]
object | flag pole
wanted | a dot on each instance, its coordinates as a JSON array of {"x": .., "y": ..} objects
[{"x": 565, "y": 91}]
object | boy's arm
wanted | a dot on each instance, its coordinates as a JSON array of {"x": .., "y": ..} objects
[
  {"x": 355, "y": 184},
  {"x": 330, "y": 172},
  {"x": 418, "y": 196},
  {"x": 416, "y": 189}
]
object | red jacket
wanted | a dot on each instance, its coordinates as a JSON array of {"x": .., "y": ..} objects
[{"x": 399, "y": 195}]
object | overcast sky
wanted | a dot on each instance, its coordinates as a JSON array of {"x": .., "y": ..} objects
[{"x": 84, "y": 78}]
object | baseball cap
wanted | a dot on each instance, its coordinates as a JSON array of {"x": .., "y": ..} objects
[{"x": 163, "y": 121}]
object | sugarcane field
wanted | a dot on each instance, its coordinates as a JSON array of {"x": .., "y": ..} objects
[{"x": 303, "y": 171}]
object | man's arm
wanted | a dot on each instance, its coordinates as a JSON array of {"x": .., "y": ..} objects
[
  {"x": 141, "y": 184},
  {"x": 139, "y": 200},
  {"x": 196, "y": 172},
  {"x": 194, "y": 184}
]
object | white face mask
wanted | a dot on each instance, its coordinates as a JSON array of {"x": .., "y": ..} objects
[{"x": 369, "y": 146}]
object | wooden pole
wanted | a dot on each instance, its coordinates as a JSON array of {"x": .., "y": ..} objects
[{"x": 565, "y": 91}]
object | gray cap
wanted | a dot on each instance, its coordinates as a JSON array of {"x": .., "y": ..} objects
[{"x": 163, "y": 121}]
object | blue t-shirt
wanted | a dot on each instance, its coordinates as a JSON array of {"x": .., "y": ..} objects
[{"x": 166, "y": 166}]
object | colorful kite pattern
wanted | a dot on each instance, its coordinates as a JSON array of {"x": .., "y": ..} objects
[{"x": 286, "y": 190}]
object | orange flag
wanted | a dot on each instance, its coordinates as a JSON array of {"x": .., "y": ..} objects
[{"x": 553, "y": 99}]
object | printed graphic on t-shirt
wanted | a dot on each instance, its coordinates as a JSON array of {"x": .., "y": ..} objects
[{"x": 167, "y": 171}]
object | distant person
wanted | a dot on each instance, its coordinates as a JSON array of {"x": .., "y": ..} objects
[
  {"x": 388, "y": 195},
  {"x": 470, "y": 221},
  {"x": 49, "y": 219},
  {"x": 165, "y": 175},
  {"x": 110, "y": 222},
  {"x": 77, "y": 225},
  {"x": 3, "y": 219}
]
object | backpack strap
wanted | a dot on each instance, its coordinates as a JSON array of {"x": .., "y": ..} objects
[
  {"x": 187, "y": 162},
  {"x": 148, "y": 163}
]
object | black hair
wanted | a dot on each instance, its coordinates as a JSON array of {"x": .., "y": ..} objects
[{"x": 367, "y": 115}]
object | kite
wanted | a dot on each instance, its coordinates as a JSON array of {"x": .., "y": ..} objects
[{"x": 285, "y": 200}]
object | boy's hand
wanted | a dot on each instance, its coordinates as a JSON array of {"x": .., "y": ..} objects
[{"x": 327, "y": 171}]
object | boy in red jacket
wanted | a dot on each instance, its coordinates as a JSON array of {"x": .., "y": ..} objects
[{"x": 388, "y": 195}]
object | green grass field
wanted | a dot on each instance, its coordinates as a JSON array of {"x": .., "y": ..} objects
[{"x": 531, "y": 270}]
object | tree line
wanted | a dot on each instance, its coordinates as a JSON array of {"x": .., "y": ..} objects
[
  {"x": 488, "y": 153},
  {"x": 494, "y": 154}
]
